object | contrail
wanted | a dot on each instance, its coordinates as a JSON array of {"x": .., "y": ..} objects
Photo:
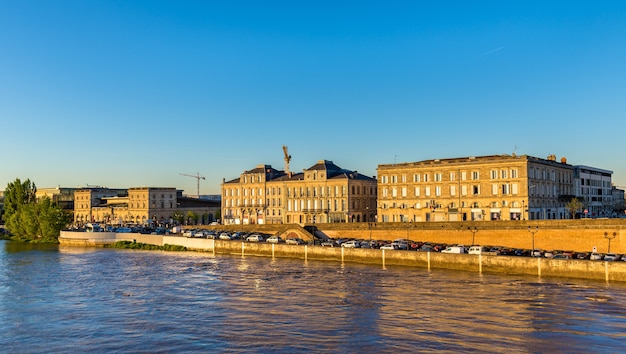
[{"x": 490, "y": 52}]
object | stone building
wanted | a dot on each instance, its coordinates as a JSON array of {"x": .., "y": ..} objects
[
  {"x": 140, "y": 206},
  {"x": 323, "y": 193},
  {"x": 498, "y": 187}
]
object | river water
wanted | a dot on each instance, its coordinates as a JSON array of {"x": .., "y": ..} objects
[{"x": 66, "y": 299}]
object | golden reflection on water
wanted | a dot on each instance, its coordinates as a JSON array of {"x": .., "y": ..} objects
[{"x": 199, "y": 302}]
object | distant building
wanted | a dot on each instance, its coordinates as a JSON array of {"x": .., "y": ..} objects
[
  {"x": 593, "y": 186},
  {"x": 61, "y": 196},
  {"x": 498, "y": 187},
  {"x": 323, "y": 193},
  {"x": 140, "y": 206}
]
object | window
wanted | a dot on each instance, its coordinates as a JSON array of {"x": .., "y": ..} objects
[
  {"x": 503, "y": 174},
  {"x": 438, "y": 191},
  {"x": 384, "y": 179},
  {"x": 475, "y": 175},
  {"x": 452, "y": 190},
  {"x": 463, "y": 190},
  {"x": 404, "y": 192},
  {"x": 494, "y": 189},
  {"x": 475, "y": 190},
  {"x": 494, "y": 174},
  {"x": 425, "y": 177},
  {"x": 427, "y": 191},
  {"x": 463, "y": 176},
  {"x": 505, "y": 189},
  {"x": 394, "y": 192},
  {"x": 403, "y": 178},
  {"x": 438, "y": 177},
  {"x": 417, "y": 191},
  {"x": 513, "y": 173},
  {"x": 394, "y": 179},
  {"x": 416, "y": 178},
  {"x": 452, "y": 176}
]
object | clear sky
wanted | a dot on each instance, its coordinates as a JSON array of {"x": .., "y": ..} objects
[{"x": 133, "y": 93}]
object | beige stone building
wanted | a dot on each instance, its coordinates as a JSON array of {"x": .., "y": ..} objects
[
  {"x": 323, "y": 193},
  {"x": 140, "y": 205},
  {"x": 499, "y": 187}
]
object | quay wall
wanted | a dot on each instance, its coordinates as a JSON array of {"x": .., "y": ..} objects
[
  {"x": 580, "y": 235},
  {"x": 584, "y": 269}
]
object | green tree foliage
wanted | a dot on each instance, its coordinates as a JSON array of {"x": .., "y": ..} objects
[
  {"x": 30, "y": 219},
  {"x": 573, "y": 206}
]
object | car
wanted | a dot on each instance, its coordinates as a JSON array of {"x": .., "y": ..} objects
[
  {"x": 582, "y": 255},
  {"x": 477, "y": 250},
  {"x": 612, "y": 257},
  {"x": 536, "y": 253},
  {"x": 224, "y": 236},
  {"x": 389, "y": 246},
  {"x": 562, "y": 256},
  {"x": 254, "y": 238},
  {"x": 294, "y": 241},
  {"x": 328, "y": 243},
  {"x": 454, "y": 249},
  {"x": 595, "y": 256},
  {"x": 351, "y": 244},
  {"x": 274, "y": 239}
]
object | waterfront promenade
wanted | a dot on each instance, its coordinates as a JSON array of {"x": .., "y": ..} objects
[{"x": 569, "y": 236}]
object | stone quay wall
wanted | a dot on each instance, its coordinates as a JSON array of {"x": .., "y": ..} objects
[{"x": 584, "y": 269}]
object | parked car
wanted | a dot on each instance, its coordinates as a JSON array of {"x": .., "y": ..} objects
[
  {"x": 582, "y": 255},
  {"x": 329, "y": 243},
  {"x": 389, "y": 246},
  {"x": 351, "y": 244},
  {"x": 477, "y": 250},
  {"x": 274, "y": 239},
  {"x": 595, "y": 256},
  {"x": 224, "y": 236},
  {"x": 612, "y": 257},
  {"x": 454, "y": 249},
  {"x": 294, "y": 241},
  {"x": 536, "y": 253},
  {"x": 562, "y": 256},
  {"x": 254, "y": 238}
]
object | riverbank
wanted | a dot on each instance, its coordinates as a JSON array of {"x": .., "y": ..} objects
[{"x": 583, "y": 269}]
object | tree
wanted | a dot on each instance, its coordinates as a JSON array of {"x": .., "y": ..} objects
[
  {"x": 27, "y": 218},
  {"x": 573, "y": 206}
]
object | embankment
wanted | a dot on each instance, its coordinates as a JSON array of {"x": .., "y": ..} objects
[{"x": 584, "y": 269}]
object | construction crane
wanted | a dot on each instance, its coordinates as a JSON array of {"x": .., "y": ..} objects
[
  {"x": 197, "y": 177},
  {"x": 287, "y": 159}
]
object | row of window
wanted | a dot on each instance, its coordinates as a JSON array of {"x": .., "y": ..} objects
[
  {"x": 496, "y": 189},
  {"x": 330, "y": 191},
  {"x": 452, "y": 176}
]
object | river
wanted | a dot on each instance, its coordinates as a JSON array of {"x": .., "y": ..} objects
[{"x": 57, "y": 299}]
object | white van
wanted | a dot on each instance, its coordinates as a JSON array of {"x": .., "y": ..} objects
[
  {"x": 477, "y": 250},
  {"x": 454, "y": 249}
]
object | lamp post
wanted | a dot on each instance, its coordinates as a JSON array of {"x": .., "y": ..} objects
[
  {"x": 609, "y": 237},
  {"x": 408, "y": 236},
  {"x": 474, "y": 230},
  {"x": 533, "y": 230}
]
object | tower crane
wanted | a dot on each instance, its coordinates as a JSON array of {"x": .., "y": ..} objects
[
  {"x": 287, "y": 159},
  {"x": 197, "y": 177}
]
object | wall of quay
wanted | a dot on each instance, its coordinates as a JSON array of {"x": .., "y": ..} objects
[{"x": 584, "y": 269}]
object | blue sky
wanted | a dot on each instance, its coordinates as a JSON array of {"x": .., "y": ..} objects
[{"x": 133, "y": 93}]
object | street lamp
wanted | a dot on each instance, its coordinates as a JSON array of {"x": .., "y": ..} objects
[
  {"x": 474, "y": 230},
  {"x": 533, "y": 230},
  {"x": 609, "y": 237}
]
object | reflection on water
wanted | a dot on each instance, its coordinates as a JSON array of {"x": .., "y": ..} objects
[{"x": 74, "y": 299}]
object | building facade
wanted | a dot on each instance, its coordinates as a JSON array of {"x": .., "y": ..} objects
[
  {"x": 323, "y": 193},
  {"x": 594, "y": 187},
  {"x": 498, "y": 187},
  {"x": 141, "y": 206}
]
